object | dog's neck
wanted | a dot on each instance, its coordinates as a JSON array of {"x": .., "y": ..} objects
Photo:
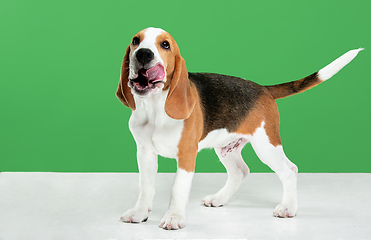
[{"x": 154, "y": 104}]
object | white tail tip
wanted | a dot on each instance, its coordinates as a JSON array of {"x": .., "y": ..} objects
[{"x": 334, "y": 67}]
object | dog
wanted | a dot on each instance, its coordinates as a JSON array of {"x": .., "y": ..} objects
[{"x": 176, "y": 113}]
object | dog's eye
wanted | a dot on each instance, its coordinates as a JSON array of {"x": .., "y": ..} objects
[
  {"x": 165, "y": 45},
  {"x": 135, "y": 41}
]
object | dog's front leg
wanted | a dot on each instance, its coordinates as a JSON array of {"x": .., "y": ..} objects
[
  {"x": 175, "y": 216},
  {"x": 147, "y": 164}
]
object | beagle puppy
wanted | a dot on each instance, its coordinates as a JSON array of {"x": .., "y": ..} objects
[{"x": 176, "y": 113}]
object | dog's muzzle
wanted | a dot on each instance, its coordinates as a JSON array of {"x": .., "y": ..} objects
[{"x": 148, "y": 79}]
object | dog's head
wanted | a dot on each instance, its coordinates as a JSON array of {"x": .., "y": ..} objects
[{"x": 153, "y": 63}]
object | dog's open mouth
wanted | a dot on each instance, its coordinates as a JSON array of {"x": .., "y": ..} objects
[{"x": 149, "y": 78}]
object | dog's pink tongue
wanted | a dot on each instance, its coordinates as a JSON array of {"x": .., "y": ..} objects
[{"x": 155, "y": 73}]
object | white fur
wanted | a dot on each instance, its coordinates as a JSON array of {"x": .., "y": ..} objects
[
  {"x": 147, "y": 164},
  {"x": 150, "y": 35},
  {"x": 335, "y": 66},
  {"x": 237, "y": 169},
  {"x": 156, "y": 134},
  {"x": 152, "y": 127},
  {"x": 175, "y": 215},
  {"x": 276, "y": 159},
  {"x": 218, "y": 138}
]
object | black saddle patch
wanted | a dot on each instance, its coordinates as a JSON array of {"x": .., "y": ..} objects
[{"x": 226, "y": 100}]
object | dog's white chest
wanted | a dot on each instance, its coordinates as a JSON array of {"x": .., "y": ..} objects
[{"x": 152, "y": 128}]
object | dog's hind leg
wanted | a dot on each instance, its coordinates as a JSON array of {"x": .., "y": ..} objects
[
  {"x": 274, "y": 156},
  {"x": 237, "y": 170}
]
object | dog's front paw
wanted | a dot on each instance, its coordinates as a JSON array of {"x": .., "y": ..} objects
[
  {"x": 135, "y": 215},
  {"x": 215, "y": 200},
  {"x": 173, "y": 221},
  {"x": 285, "y": 211}
]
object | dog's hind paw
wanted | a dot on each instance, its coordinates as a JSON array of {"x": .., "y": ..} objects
[
  {"x": 284, "y": 211},
  {"x": 214, "y": 201}
]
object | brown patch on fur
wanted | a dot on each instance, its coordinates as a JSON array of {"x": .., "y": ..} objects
[
  {"x": 265, "y": 110},
  {"x": 139, "y": 35},
  {"x": 168, "y": 55},
  {"x": 294, "y": 87},
  {"x": 123, "y": 92},
  {"x": 180, "y": 100},
  {"x": 191, "y": 135}
]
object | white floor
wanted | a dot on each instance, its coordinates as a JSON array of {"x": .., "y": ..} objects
[{"x": 88, "y": 206}]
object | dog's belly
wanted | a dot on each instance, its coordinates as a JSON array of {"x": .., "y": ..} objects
[{"x": 219, "y": 138}]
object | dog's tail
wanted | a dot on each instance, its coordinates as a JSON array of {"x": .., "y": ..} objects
[{"x": 294, "y": 87}]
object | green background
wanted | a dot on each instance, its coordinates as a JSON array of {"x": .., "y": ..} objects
[{"x": 60, "y": 64}]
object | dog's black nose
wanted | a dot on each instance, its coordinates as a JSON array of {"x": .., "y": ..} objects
[{"x": 144, "y": 55}]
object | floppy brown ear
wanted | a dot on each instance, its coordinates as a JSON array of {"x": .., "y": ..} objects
[
  {"x": 123, "y": 92},
  {"x": 180, "y": 100}
]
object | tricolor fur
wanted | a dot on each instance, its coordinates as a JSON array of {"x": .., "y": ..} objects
[{"x": 176, "y": 114}]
